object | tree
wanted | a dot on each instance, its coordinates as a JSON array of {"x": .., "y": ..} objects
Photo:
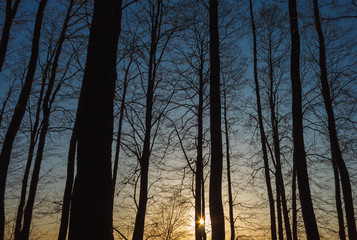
[
  {"x": 120, "y": 126},
  {"x": 293, "y": 204},
  {"x": 156, "y": 11},
  {"x": 261, "y": 129},
  {"x": 339, "y": 209},
  {"x": 299, "y": 156},
  {"x": 160, "y": 32},
  {"x": 193, "y": 87},
  {"x": 199, "y": 189},
  {"x": 5, "y": 101},
  {"x": 195, "y": 81},
  {"x": 215, "y": 189},
  {"x": 171, "y": 218},
  {"x": 141, "y": 132},
  {"x": 337, "y": 158},
  {"x": 228, "y": 159},
  {"x": 273, "y": 53},
  {"x": 69, "y": 182},
  {"x": 91, "y": 209},
  {"x": 18, "y": 114},
  {"x": 67, "y": 196},
  {"x": 33, "y": 139},
  {"x": 10, "y": 15},
  {"x": 48, "y": 100}
]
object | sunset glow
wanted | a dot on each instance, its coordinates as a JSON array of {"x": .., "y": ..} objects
[{"x": 157, "y": 119}]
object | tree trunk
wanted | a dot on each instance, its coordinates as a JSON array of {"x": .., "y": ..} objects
[
  {"x": 10, "y": 15},
  {"x": 229, "y": 181},
  {"x": 47, "y": 102},
  {"x": 276, "y": 148},
  {"x": 199, "y": 161},
  {"x": 293, "y": 204},
  {"x": 341, "y": 224},
  {"x": 262, "y": 132},
  {"x": 18, "y": 114},
  {"x": 6, "y": 100},
  {"x": 121, "y": 117},
  {"x": 335, "y": 146},
  {"x": 281, "y": 197},
  {"x": 285, "y": 209},
  {"x": 24, "y": 234},
  {"x": 299, "y": 157},
  {"x": 204, "y": 236},
  {"x": 278, "y": 208},
  {"x": 144, "y": 160},
  {"x": 69, "y": 182},
  {"x": 117, "y": 148},
  {"x": 91, "y": 206},
  {"x": 215, "y": 190},
  {"x": 33, "y": 140},
  {"x": 140, "y": 215}
]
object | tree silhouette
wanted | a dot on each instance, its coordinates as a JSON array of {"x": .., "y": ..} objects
[
  {"x": 91, "y": 209},
  {"x": 18, "y": 114},
  {"x": 261, "y": 130},
  {"x": 160, "y": 78},
  {"x": 335, "y": 146},
  {"x": 299, "y": 157},
  {"x": 215, "y": 189},
  {"x": 10, "y": 15}
]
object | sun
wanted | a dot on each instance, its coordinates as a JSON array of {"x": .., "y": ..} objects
[{"x": 202, "y": 222}]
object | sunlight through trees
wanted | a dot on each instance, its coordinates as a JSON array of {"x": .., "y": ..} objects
[{"x": 167, "y": 119}]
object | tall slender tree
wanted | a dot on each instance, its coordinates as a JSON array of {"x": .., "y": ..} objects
[
  {"x": 228, "y": 164},
  {"x": 9, "y": 18},
  {"x": 273, "y": 53},
  {"x": 120, "y": 126},
  {"x": 199, "y": 162},
  {"x": 293, "y": 204},
  {"x": 341, "y": 224},
  {"x": 281, "y": 196},
  {"x": 159, "y": 34},
  {"x": 299, "y": 156},
  {"x": 194, "y": 72},
  {"x": 215, "y": 188},
  {"x": 66, "y": 204},
  {"x": 91, "y": 207},
  {"x": 48, "y": 100},
  {"x": 19, "y": 113},
  {"x": 262, "y": 131},
  {"x": 33, "y": 140},
  {"x": 334, "y": 143},
  {"x": 156, "y": 12}
]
